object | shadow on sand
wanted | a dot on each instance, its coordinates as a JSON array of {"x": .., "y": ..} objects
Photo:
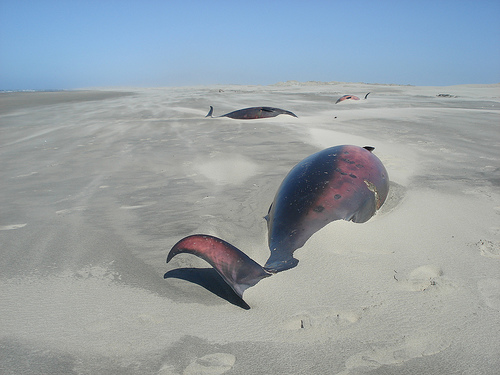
[{"x": 209, "y": 279}]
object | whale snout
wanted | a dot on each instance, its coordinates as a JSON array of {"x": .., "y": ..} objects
[{"x": 274, "y": 266}]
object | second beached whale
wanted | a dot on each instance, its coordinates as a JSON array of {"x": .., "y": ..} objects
[
  {"x": 347, "y": 97},
  {"x": 253, "y": 113},
  {"x": 343, "y": 182}
]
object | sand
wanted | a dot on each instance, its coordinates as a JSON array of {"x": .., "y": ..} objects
[{"x": 98, "y": 185}]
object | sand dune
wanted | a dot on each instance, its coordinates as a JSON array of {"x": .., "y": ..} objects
[{"x": 98, "y": 185}]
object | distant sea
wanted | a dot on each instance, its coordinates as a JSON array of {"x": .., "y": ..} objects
[{"x": 48, "y": 90}]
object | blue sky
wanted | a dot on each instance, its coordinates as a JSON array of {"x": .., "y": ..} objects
[{"x": 67, "y": 44}]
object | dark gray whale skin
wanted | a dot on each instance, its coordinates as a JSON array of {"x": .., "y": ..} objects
[
  {"x": 253, "y": 113},
  {"x": 342, "y": 182}
]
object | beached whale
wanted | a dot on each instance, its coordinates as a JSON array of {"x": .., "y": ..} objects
[
  {"x": 343, "y": 182},
  {"x": 253, "y": 113},
  {"x": 347, "y": 97}
]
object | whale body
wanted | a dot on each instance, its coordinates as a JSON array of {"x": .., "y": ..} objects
[
  {"x": 339, "y": 183},
  {"x": 253, "y": 113}
]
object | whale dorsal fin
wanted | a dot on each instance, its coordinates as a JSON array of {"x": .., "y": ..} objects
[{"x": 210, "y": 112}]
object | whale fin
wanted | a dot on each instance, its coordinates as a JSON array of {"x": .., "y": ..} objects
[
  {"x": 238, "y": 270},
  {"x": 210, "y": 112},
  {"x": 366, "y": 96},
  {"x": 289, "y": 113}
]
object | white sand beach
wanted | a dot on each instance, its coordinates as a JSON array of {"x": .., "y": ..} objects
[{"x": 97, "y": 186}]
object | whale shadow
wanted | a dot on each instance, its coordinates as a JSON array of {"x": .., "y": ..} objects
[{"x": 209, "y": 279}]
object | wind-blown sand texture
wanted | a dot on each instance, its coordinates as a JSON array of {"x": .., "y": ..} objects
[{"x": 98, "y": 185}]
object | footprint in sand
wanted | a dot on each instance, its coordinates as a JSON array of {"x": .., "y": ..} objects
[
  {"x": 490, "y": 291},
  {"x": 211, "y": 364},
  {"x": 320, "y": 320},
  {"x": 428, "y": 277},
  {"x": 395, "y": 353},
  {"x": 489, "y": 249},
  {"x": 12, "y": 226}
]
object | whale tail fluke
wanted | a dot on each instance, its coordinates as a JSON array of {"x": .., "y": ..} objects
[
  {"x": 210, "y": 113},
  {"x": 238, "y": 270}
]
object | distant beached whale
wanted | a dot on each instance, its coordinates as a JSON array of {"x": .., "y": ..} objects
[
  {"x": 347, "y": 97},
  {"x": 253, "y": 113},
  {"x": 343, "y": 182}
]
